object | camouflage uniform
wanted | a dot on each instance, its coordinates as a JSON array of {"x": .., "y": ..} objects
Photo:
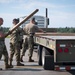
[
  {"x": 30, "y": 30},
  {"x": 3, "y": 50},
  {"x": 24, "y": 45},
  {"x": 15, "y": 44},
  {"x": 21, "y": 37}
]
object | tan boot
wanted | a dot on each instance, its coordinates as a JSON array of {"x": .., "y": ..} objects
[
  {"x": 8, "y": 66},
  {"x": 19, "y": 64},
  {"x": 21, "y": 59},
  {"x": 30, "y": 59},
  {"x": 0, "y": 68},
  {"x": 11, "y": 64}
]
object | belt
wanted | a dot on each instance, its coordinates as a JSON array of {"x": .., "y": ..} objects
[{"x": 31, "y": 34}]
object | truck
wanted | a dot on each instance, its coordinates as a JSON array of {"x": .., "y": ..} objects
[{"x": 56, "y": 51}]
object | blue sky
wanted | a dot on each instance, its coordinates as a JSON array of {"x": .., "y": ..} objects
[{"x": 60, "y": 12}]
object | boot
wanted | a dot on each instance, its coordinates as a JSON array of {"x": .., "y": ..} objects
[
  {"x": 8, "y": 66},
  {"x": 19, "y": 64},
  {"x": 11, "y": 59},
  {"x": 0, "y": 68},
  {"x": 30, "y": 59},
  {"x": 11, "y": 64},
  {"x": 21, "y": 59}
]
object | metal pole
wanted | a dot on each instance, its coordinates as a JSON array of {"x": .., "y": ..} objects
[{"x": 46, "y": 15}]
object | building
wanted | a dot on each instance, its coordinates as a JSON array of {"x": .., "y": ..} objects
[{"x": 41, "y": 21}]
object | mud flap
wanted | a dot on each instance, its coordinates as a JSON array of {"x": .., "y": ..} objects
[{"x": 48, "y": 62}]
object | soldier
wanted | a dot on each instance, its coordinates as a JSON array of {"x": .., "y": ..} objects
[
  {"x": 30, "y": 30},
  {"x": 3, "y": 50},
  {"x": 24, "y": 47},
  {"x": 15, "y": 44}
]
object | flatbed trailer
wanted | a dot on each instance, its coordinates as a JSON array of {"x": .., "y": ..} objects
[{"x": 55, "y": 50}]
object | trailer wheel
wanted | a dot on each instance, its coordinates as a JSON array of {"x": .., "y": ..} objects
[
  {"x": 47, "y": 60},
  {"x": 39, "y": 55}
]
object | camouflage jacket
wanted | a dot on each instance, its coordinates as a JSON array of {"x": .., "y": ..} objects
[
  {"x": 2, "y": 31},
  {"x": 16, "y": 35},
  {"x": 2, "y": 40}
]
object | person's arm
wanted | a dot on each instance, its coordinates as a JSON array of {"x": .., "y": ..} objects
[
  {"x": 2, "y": 35},
  {"x": 42, "y": 30}
]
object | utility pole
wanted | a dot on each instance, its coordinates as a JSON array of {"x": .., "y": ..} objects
[{"x": 46, "y": 19}]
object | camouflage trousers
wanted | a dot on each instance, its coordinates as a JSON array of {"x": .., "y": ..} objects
[
  {"x": 15, "y": 49},
  {"x": 3, "y": 51},
  {"x": 28, "y": 44}
]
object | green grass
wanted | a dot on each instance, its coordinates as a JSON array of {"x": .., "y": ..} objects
[{"x": 8, "y": 37}]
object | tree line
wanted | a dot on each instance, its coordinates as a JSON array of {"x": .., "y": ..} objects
[
  {"x": 62, "y": 30},
  {"x": 66, "y": 30},
  {"x": 5, "y": 29}
]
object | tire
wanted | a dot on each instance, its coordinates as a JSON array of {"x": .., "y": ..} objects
[
  {"x": 47, "y": 60},
  {"x": 39, "y": 55}
]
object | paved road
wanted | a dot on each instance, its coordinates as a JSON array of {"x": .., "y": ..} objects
[{"x": 30, "y": 68}]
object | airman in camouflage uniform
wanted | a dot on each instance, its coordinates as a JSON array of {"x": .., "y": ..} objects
[
  {"x": 24, "y": 47},
  {"x": 30, "y": 30},
  {"x": 15, "y": 40},
  {"x": 3, "y": 50}
]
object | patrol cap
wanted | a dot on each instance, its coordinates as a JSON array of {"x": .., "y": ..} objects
[
  {"x": 17, "y": 20},
  {"x": 33, "y": 19}
]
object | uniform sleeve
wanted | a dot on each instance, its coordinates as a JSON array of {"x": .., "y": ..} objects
[
  {"x": 2, "y": 30},
  {"x": 36, "y": 28},
  {"x": 24, "y": 32},
  {"x": 2, "y": 33}
]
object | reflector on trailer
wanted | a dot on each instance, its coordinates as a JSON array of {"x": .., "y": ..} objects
[
  {"x": 60, "y": 50},
  {"x": 66, "y": 50},
  {"x": 68, "y": 68},
  {"x": 57, "y": 68}
]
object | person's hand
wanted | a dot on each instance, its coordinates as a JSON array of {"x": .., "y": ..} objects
[
  {"x": 9, "y": 32},
  {"x": 1, "y": 35},
  {"x": 44, "y": 31}
]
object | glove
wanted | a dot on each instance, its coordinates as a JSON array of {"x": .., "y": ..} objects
[
  {"x": 9, "y": 32},
  {"x": 44, "y": 32}
]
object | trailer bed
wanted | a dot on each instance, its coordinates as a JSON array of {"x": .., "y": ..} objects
[
  {"x": 56, "y": 48},
  {"x": 58, "y": 43},
  {"x": 58, "y": 37}
]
